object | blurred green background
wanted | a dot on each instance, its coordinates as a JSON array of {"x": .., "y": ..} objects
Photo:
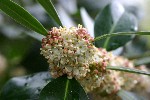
[{"x": 20, "y": 47}]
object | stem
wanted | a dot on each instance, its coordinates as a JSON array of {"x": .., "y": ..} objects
[
  {"x": 125, "y": 69},
  {"x": 121, "y": 33}
]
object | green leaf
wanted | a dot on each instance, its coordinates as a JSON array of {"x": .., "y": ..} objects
[
  {"x": 125, "y": 69},
  {"x": 63, "y": 88},
  {"x": 111, "y": 20},
  {"x": 120, "y": 33},
  {"x": 126, "y": 95},
  {"x": 20, "y": 15},
  {"x": 49, "y": 7},
  {"x": 25, "y": 87}
]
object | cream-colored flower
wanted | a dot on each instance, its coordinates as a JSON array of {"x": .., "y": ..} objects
[
  {"x": 95, "y": 77},
  {"x": 70, "y": 51},
  {"x": 115, "y": 80}
]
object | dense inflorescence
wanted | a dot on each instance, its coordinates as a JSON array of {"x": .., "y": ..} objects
[
  {"x": 142, "y": 87},
  {"x": 96, "y": 76},
  {"x": 71, "y": 51},
  {"x": 67, "y": 51},
  {"x": 116, "y": 80}
]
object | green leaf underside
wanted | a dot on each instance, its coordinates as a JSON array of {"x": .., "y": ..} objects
[
  {"x": 63, "y": 88},
  {"x": 125, "y": 69},
  {"x": 49, "y": 7},
  {"x": 25, "y": 87},
  {"x": 119, "y": 34},
  {"x": 23, "y": 17},
  {"x": 126, "y": 95},
  {"x": 104, "y": 24}
]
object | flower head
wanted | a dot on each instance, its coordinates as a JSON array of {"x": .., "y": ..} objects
[{"x": 70, "y": 51}]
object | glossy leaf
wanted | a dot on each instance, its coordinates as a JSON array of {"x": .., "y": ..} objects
[
  {"x": 119, "y": 34},
  {"x": 49, "y": 7},
  {"x": 25, "y": 87},
  {"x": 20, "y": 15},
  {"x": 63, "y": 88},
  {"x": 125, "y": 69},
  {"x": 126, "y": 95},
  {"x": 108, "y": 22}
]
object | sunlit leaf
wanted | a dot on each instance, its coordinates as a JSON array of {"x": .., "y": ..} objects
[
  {"x": 130, "y": 70},
  {"x": 63, "y": 88},
  {"x": 25, "y": 87},
  {"x": 49, "y": 7},
  {"x": 20, "y": 15}
]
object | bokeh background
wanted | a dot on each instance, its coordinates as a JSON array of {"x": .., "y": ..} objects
[{"x": 20, "y": 47}]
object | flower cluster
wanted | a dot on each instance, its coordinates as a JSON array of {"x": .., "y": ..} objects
[
  {"x": 96, "y": 76},
  {"x": 71, "y": 51},
  {"x": 125, "y": 80},
  {"x": 129, "y": 80},
  {"x": 142, "y": 87},
  {"x": 116, "y": 80}
]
